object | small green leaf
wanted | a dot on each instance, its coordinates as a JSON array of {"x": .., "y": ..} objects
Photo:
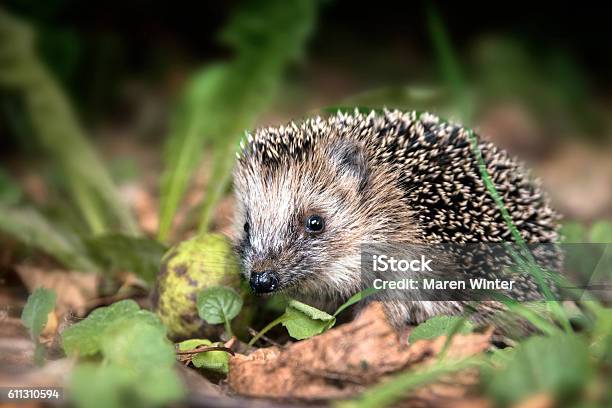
[
  {"x": 34, "y": 316},
  {"x": 219, "y": 304},
  {"x": 217, "y": 361},
  {"x": 311, "y": 312},
  {"x": 193, "y": 344},
  {"x": 85, "y": 337},
  {"x": 303, "y": 321},
  {"x": 438, "y": 326}
]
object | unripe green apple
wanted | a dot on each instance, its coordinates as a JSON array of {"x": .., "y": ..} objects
[{"x": 200, "y": 262}]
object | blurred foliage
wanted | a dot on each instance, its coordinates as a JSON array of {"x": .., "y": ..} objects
[
  {"x": 116, "y": 252},
  {"x": 86, "y": 338},
  {"x": 559, "y": 366},
  {"x": 588, "y": 251},
  {"x": 551, "y": 85},
  {"x": 10, "y": 192},
  {"x": 138, "y": 371},
  {"x": 223, "y": 100},
  {"x": 56, "y": 128},
  {"x": 34, "y": 316},
  {"x": 35, "y": 230},
  {"x": 137, "y": 359}
]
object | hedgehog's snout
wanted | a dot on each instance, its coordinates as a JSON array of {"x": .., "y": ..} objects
[{"x": 264, "y": 282}]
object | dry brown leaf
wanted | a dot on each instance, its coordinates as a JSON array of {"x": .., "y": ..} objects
[
  {"x": 74, "y": 289},
  {"x": 340, "y": 362}
]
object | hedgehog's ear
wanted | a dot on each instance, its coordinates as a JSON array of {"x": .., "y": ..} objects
[{"x": 350, "y": 160}]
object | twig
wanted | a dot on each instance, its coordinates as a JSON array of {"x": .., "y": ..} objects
[{"x": 202, "y": 349}]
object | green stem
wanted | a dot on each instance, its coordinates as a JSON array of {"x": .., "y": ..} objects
[
  {"x": 228, "y": 329},
  {"x": 275, "y": 322},
  {"x": 89, "y": 208},
  {"x": 356, "y": 298},
  {"x": 220, "y": 179}
]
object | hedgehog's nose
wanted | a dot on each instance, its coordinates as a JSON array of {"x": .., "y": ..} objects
[{"x": 264, "y": 282}]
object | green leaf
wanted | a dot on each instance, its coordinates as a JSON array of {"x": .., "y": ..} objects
[
  {"x": 138, "y": 370},
  {"x": 217, "y": 361},
  {"x": 99, "y": 386},
  {"x": 118, "y": 252},
  {"x": 158, "y": 387},
  {"x": 438, "y": 326},
  {"x": 193, "y": 344},
  {"x": 85, "y": 338},
  {"x": 304, "y": 321},
  {"x": 34, "y": 316},
  {"x": 135, "y": 343},
  {"x": 311, "y": 312},
  {"x": 557, "y": 365},
  {"x": 601, "y": 231},
  {"x": 218, "y": 304},
  {"x": 301, "y": 320}
]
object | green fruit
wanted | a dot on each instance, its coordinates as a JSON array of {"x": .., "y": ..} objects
[{"x": 186, "y": 269}]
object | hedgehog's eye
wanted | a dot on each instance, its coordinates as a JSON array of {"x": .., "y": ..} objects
[
  {"x": 315, "y": 224},
  {"x": 246, "y": 227}
]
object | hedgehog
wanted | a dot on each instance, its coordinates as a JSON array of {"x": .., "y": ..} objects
[{"x": 310, "y": 195}]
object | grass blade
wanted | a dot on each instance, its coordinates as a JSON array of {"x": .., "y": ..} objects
[
  {"x": 452, "y": 72},
  {"x": 393, "y": 390}
]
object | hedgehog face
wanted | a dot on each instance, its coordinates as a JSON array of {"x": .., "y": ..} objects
[{"x": 299, "y": 222}]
